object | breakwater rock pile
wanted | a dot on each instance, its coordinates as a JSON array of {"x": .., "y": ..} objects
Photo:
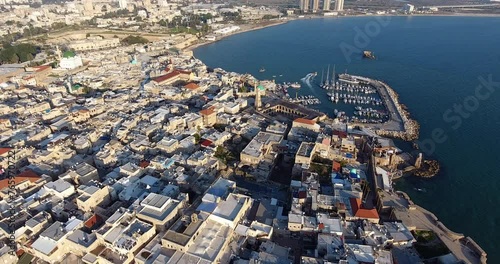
[
  {"x": 410, "y": 127},
  {"x": 429, "y": 168}
]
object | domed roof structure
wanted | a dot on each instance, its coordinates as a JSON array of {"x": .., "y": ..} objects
[{"x": 69, "y": 54}]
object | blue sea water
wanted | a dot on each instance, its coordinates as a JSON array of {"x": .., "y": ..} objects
[{"x": 435, "y": 64}]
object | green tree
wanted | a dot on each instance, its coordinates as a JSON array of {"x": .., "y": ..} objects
[
  {"x": 19, "y": 53},
  {"x": 59, "y": 25},
  {"x": 9, "y": 56},
  {"x": 197, "y": 138},
  {"x": 135, "y": 40},
  {"x": 223, "y": 154},
  {"x": 163, "y": 23}
]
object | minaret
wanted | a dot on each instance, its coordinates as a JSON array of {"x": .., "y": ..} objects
[
  {"x": 258, "y": 102},
  {"x": 58, "y": 53}
]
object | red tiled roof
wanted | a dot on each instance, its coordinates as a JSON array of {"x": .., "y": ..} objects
[
  {"x": 340, "y": 134},
  {"x": 41, "y": 68},
  {"x": 144, "y": 164},
  {"x": 92, "y": 221},
  {"x": 166, "y": 77},
  {"x": 365, "y": 213},
  {"x": 336, "y": 166},
  {"x": 4, "y": 150},
  {"x": 27, "y": 175},
  {"x": 355, "y": 204},
  {"x": 170, "y": 75},
  {"x": 191, "y": 86},
  {"x": 304, "y": 121},
  {"x": 206, "y": 143},
  {"x": 359, "y": 211},
  {"x": 321, "y": 226},
  {"x": 207, "y": 111}
]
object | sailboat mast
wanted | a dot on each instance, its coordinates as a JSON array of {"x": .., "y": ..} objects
[
  {"x": 328, "y": 75},
  {"x": 333, "y": 75},
  {"x": 322, "y": 72}
]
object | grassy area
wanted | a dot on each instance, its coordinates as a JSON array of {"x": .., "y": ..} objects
[
  {"x": 424, "y": 236},
  {"x": 178, "y": 30}
]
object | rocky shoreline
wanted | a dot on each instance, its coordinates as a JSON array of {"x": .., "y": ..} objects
[
  {"x": 429, "y": 168},
  {"x": 411, "y": 127}
]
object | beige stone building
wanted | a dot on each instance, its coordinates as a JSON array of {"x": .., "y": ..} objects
[
  {"x": 159, "y": 210},
  {"x": 91, "y": 197},
  {"x": 209, "y": 117},
  {"x": 94, "y": 43},
  {"x": 306, "y": 124},
  {"x": 260, "y": 146}
]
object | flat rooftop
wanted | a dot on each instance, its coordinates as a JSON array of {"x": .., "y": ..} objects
[
  {"x": 305, "y": 149},
  {"x": 259, "y": 142},
  {"x": 230, "y": 208},
  {"x": 210, "y": 240},
  {"x": 184, "y": 237}
]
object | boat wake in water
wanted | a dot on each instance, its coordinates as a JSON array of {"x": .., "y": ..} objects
[{"x": 308, "y": 81}]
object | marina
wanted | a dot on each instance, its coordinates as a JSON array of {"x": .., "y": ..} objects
[
  {"x": 306, "y": 100},
  {"x": 355, "y": 100}
]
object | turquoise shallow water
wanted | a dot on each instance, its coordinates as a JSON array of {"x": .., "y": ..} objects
[{"x": 433, "y": 63}]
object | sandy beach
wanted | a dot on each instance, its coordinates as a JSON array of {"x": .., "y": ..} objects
[{"x": 243, "y": 28}]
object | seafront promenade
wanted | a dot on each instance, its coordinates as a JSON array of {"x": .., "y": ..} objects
[{"x": 421, "y": 219}]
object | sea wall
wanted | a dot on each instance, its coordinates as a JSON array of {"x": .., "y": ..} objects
[
  {"x": 476, "y": 248},
  {"x": 410, "y": 127},
  {"x": 456, "y": 237},
  {"x": 400, "y": 125}
]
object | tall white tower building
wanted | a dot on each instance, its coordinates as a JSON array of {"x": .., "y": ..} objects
[
  {"x": 339, "y": 5},
  {"x": 122, "y": 4},
  {"x": 326, "y": 5}
]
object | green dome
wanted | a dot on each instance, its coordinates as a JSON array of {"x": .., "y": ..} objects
[
  {"x": 261, "y": 87},
  {"x": 69, "y": 54}
]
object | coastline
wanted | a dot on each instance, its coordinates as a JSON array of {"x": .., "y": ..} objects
[
  {"x": 410, "y": 132},
  {"x": 248, "y": 28},
  {"x": 252, "y": 27},
  {"x": 463, "y": 246}
]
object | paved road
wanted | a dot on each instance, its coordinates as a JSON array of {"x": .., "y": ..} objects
[
  {"x": 422, "y": 219},
  {"x": 395, "y": 122}
]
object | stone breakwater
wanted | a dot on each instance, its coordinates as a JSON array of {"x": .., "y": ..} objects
[
  {"x": 400, "y": 125},
  {"x": 411, "y": 127},
  {"x": 430, "y": 168}
]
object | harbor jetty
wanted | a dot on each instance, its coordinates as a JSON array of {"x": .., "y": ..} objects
[{"x": 400, "y": 124}]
